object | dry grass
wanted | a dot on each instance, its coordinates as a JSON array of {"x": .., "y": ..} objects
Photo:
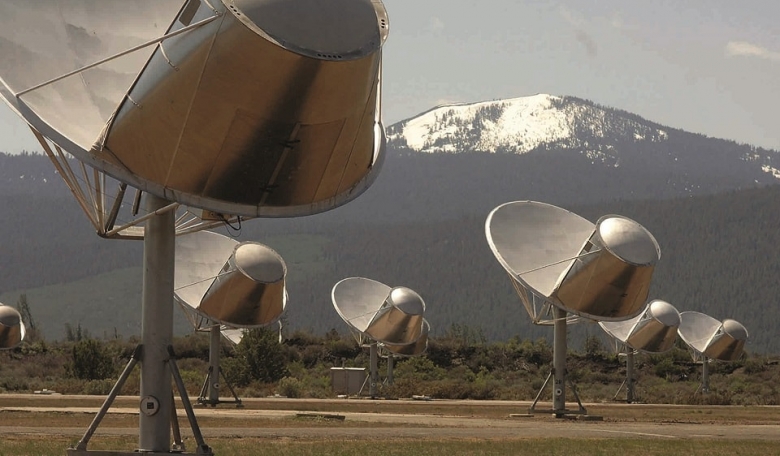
[{"x": 30, "y": 445}]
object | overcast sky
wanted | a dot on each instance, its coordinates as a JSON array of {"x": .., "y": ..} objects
[{"x": 706, "y": 66}]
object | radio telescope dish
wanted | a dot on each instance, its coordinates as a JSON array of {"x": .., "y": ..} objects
[
  {"x": 380, "y": 315},
  {"x": 600, "y": 271},
  {"x": 653, "y": 331},
  {"x": 711, "y": 338},
  {"x": 561, "y": 264},
  {"x": 392, "y": 316},
  {"x": 247, "y": 107},
  {"x": 12, "y": 329},
  {"x": 240, "y": 285},
  {"x": 225, "y": 290}
]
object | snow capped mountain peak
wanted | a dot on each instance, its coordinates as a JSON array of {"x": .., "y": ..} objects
[{"x": 519, "y": 125}]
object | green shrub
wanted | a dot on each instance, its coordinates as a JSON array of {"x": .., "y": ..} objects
[
  {"x": 259, "y": 357},
  {"x": 97, "y": 387},
  {"x": 755, "y": 365},
  {"x": 290, "y": 387},
  {"x": 419, "y": 368},
  {"x": 337, "y": 349},
  {"x": 667, "y": 369},
  {"x": 539, "y": 353},
  {"x": 14, "y": 384},
  {"x": 193, "y": 346},
  {"x": 311, "y": 355},
  {"x": 441, "y": 353},
  {"x": 404, "y": 387},
  {"x": 91, "y": 360},
  {"x": 451, "y": 388}
]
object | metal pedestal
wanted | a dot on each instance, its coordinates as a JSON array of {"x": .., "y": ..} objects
[
  {"x": 705, "y": 375},
  {"x": 155, "y": 354},
  {"x": 559, "y": 372},
  {"x": 390, "y": 364},
  {"x": 373, "y": 371},
  {"x": 209, "y": 392},
  {"x": 629, "y": 382}
]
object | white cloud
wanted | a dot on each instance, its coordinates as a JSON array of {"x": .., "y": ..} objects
[{"x": 745, "y": 49}]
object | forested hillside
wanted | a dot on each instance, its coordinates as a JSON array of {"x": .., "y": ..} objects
[{"x": 718, "y": 257}]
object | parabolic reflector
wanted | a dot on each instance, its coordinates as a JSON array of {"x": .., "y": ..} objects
[
  {"x": 654, "y": 330},
  {"x": 235, "y": 284},
  {"x": 12, "y": 329},
  {"x": 391, "y": 316},
  {"x": 246, "y": 107},
  {"x": 599, "y": 271},
  {"x": 712, "y": 338}
]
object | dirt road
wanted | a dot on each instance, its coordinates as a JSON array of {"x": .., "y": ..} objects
[{"x": 305, "y": 419}]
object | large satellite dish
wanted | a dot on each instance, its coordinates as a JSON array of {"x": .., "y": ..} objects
[
  {"x": 599, "y": 271},
  {"x": 12, "y": 329},
  {"x": 392, "y": 316},
  {"x": 652, "y": 331},
  {"x": 237, "y": 107},
  {"x": 226, "y": 287},
  {"x": 248, "y": 107},
  {"x": 240, "y": 285},
  {"x": 561, "y": 264},
  {"x": 379, "y": 315},
  {"x": 709, "y": 338}
]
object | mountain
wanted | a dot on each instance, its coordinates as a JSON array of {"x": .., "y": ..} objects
[
  {"x": 468, "y": 158},
  {"x": 606, "y": 136},
  {"x": 521, "y": 125},
  {"x": 708, "y": 201}
]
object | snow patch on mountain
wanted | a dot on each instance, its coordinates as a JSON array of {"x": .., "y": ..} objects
[
  {"x": 520, "y": 125},
  {"x": 492, "y": 124},
  {"x": 771, "y": 170}
]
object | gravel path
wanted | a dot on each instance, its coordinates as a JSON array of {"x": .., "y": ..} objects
[{"x": 416, "y": 426}]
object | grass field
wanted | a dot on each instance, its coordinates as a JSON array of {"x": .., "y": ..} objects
[
  {"x": 18, "y": 446},
  {"x": 30, "y": 425}
]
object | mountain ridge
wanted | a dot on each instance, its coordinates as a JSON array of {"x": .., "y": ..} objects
[
  {"x": 516, "y": 125},
  {"x": 564, "y": 118}
]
